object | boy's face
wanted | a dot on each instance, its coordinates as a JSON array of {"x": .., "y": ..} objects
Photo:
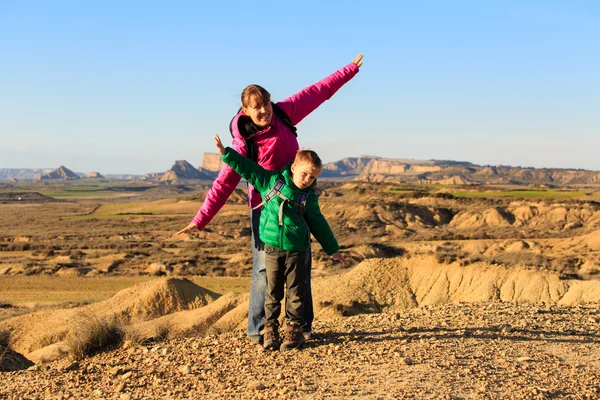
[
  {"x": 304, "y": 174},
  {"x": 260, "y": 114}
]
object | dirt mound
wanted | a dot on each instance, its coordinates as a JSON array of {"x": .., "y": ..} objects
[
  {"x": 474, "y": 218},
  {"x": 141, "y": 302},
  {"x": 198, "y": 321},
  {"x": 25, "y": 197},
  {"x": 517, "y": 247},
  {"x": 400, "y": 283},
  {"x": 592, "y": 240}
]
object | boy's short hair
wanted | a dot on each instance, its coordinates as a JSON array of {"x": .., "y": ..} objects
[
  {"x": 308, "y": 156},
  {"x": 259, "y": 93}
]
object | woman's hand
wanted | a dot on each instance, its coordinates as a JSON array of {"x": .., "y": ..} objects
[
  {"x": 219, "y": 144},
  {"x": 187, "y": 228},
  {"x": 358, "y": 60}
]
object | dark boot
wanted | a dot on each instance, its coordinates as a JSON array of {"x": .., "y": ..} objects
[
  {"x": 270, "y": 337},
  {"x": 292, "y": 337}
]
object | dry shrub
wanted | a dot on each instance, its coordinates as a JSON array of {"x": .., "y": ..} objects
[
  {"x": 3, "y": 343},
  {"x": 90, "y": 333},
  {"x": 133, "y": 334},
  {"x": 9, "y": 359},
  {"x": 522, "y": 258},
  {"x": 159, "y": 333}
]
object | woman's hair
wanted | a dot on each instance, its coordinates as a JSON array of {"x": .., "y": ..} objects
[
  {"x": 259, "y": 93},
  {"x": 308, "y": 156}
]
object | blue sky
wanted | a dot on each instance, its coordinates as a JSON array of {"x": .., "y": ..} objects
[{"x": 132, "y": 86}]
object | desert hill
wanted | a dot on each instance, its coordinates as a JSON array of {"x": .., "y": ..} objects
[
  {"x": 182, "y": 170},
  {"x": 371, "y": 169},
  {"x": 61, "y": 172},
  {"x": 392, "y": 170}
]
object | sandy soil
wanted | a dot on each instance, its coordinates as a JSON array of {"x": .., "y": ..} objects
[
  {"x": 387, "y": 329},
  {"x": 487, "y": 350}
]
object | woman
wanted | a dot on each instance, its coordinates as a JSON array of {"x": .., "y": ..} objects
[{"x": 272, "y": 142}]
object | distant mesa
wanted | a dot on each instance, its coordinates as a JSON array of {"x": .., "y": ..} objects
[
  {"x": 61, "y": 173},
  {"x": 22, "y": 173},
  {"x": 212, "y": 162},
  {"x": 183, "y": 170},
  {"x": 95, "y": 175}
]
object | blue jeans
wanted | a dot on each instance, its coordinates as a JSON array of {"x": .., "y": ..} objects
[{"x": 258, "y": 287}]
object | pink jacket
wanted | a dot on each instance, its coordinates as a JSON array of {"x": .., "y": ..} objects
[{"x": 276, "y": 144}]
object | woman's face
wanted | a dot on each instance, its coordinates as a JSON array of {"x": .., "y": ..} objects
[{"x": 261, "y": 114}]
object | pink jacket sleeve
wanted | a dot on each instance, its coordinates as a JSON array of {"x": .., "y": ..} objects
[
  {"x": 308, "y": 99},
  {"x": 297, "y": 107},
  {"x": 219, "y": 192}
]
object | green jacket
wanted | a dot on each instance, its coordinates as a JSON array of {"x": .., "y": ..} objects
[{"x": 294, "y": 233}]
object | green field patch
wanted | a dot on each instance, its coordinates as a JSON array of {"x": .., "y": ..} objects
[
  {"x": 545, "y": 194},
  {"x": 399, "y": 191},
  {"x": 45, "y": 290},
  {"x": 110, "y": 216},
  {"x": 163, "y": 207},
  {"x": 420, "y": 186},
  {"x": 79, "y": 191}
]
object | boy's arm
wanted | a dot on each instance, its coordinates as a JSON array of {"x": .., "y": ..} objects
[
  {"x": 319, "y": 227},
  {"x": 256, "y": 175}
]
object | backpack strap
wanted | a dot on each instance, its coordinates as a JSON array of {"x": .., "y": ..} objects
[
  {"x": 302, "y": 199},
  {"x": 283, "y": 117},
  {"x": 276, "y": 192},
  {"x": 251, "y": 146},
  {"x": 243, "y": 121}
]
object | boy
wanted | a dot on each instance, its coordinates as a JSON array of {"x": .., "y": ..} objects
[{"x": 291, "y": 213}]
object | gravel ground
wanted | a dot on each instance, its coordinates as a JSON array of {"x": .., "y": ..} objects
[{"x": 453, "y": 351}]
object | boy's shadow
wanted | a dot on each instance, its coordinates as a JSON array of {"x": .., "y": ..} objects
[{"x": 442, "y": 333}]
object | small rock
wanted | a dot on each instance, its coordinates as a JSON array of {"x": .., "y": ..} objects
[
  {"x": 125, "y": 396},
  {"x": 126, "y": 375},
  {"x": 186, "y": 370},
  {"x": 280, "y": 376},
  {"x": 523, "y": 359},
  {"x": 506, "y": 328},
  {"x": 127, "y": 344},
  {"x": 257, "y": 386},
  {"x": 405, "y": 361},
  {"x": 71, "y": 366}
]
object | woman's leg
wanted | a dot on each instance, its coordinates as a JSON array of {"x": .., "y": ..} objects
[{"x": 258, "y": 287}]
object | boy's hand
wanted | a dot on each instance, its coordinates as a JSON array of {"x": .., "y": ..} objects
[
  {"x": 339, "y": 257},
  {"x": 358, "y": 60},
  {"x": 219, "y": 144},
  {"x": 187, "y": 228}
]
